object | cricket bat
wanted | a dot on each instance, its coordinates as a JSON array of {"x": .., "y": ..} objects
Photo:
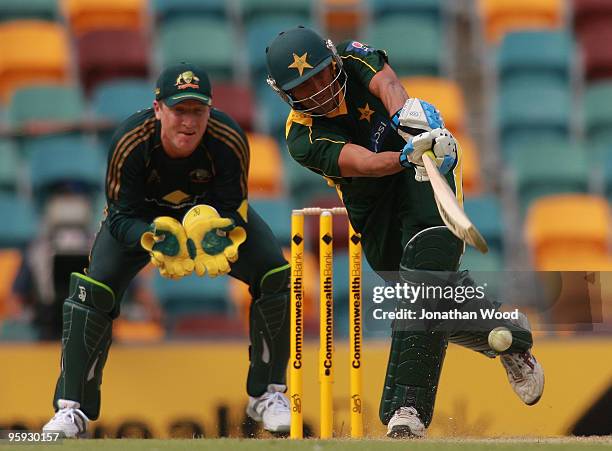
[{"x": 451, "y": 212}]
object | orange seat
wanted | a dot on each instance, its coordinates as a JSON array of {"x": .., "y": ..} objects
[
  {"x": 10, "y": 260},
  {"x": 501, "y": 16},
  {"x": 266, "y": 174},
  {"x": 342, "y": 17},
  {"x": 470, "y": 165},
  {"x": 32, "y": 52},
  {"x": 566, "y": 227},
  {"x": 92, "y": 15},
  {"x": 444, "y": 94},
  {"x": 137, "y": 331}
]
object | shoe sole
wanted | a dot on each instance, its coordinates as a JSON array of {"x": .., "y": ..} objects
[{"x": 401, "y": 432}]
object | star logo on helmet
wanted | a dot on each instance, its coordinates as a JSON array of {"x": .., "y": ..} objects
[
  {"x": 366, "y": 112},
  {"x": 300, "y": 63}
]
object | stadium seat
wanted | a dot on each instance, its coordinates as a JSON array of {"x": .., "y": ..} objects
[
  {"x": 31, "y": 9},
  {"x": 296, "y": 11},
  {"x": 597, "y": 57},
  {"x": 475, "y": 262},
  {"x": 266, "y": 174},
  {"x": 181, "y": 40},
  {"x": 537, "y": 175},
  {"x": 501, "y": 16},
  {"x": 445, "y": 94},
  {"x": 539, "y": 107},
  {"x": 118, "y": 99},
  {"x": 486, "y": 214},
  {"x": 165, "y": 11},
  {"x": 392, "y": 34},
  {"x": 10, "y": 261},
  {"x": 19, "y": 224},
  {"x": 32, "y": 52},
  {"x": 89, "y": 15},
  {"x": 104, "y": 55},
  {"x": 276, "y": 211},
  {"x": 607, "y": 176},
  {"x": 46, "y": 106},
  {"x": 125, "y": 331},
  {"x": 192, "y": 295},
  {"x": 17, "y": 331},
  {"x": 341, "y": 18},
  {"x": 273, "y": 110},
  {"x": 237, "y": 101},
  {"x": 598, "y": 114},
  {"x": 576, "y": 226},
  {"x": 542, "y": 53},
  {"x": 73, "y": 160},
  {"x": 422, "y": 9},
  {"x": 203, "y": 326},
  {"x": 9, "y": 166},
  {"x": 589, "y": 13},
  {"x": 470, "y": 165},
  {"x": 305, "y": 185}
]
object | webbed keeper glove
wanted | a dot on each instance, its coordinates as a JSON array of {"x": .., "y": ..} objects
[
  {"x": 215, "y": 239},
  {"x": 166, "y": 242}
]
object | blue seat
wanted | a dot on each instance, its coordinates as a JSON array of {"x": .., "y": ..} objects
[
  {"x": 531, "y": 106},
  {"x": 422, "y": 9},
  {"x": 118, "y": 99},
  {"x": 30, "y": 9},
  {"x": 393, "y": 33},
  {"x": 9, "y": 166},
  {"x": 46, "y": 103},
  {"x": 168, "y": 10},
  {"x": 276, "y": 212},
  {"x": 207, "y": 42},
  {"x": 273, "y": 110},
  {"x": 296, "y": 11},
  {"x": 598, "y": 115},
  {"x": 486, "y": 214},
  {"x": 65, "y": 160},
  {"x": 193, "y": 294},
  {"x": 19, "y": 223},
  {"x": 305, "y": 185},
  {"x": 486, "y": 270},
  {"x": 607, "y": 175},
  {"x": 548, "y": 55}
]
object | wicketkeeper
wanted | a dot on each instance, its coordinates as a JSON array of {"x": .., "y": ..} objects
[
  {"x": 353, "y": 123},
  {"x": 176, "y": 189}
]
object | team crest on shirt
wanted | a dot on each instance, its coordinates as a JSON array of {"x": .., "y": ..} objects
[
  {"x": 200, "y": 176},
  {"x": 187, "y": 80},
  {"x": 358, "y": 47}
]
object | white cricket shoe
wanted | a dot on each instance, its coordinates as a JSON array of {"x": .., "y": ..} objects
[
  {"x": 405, "y": 423},
  {"x": 271, "y": 408},
  {"x": 69, "y": 421},
  {"x": 525, "y": 373}
]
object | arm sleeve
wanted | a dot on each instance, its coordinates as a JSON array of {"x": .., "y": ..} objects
[
  {"x": 125, "y": 194},
  {"x": 231, "y": 158},
  {"x": 361, "y": 61}
]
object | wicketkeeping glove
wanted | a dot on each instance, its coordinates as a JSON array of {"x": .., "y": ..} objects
[
  {"x": 166, "y": 242},
  {"x": 215, "y": 240}
]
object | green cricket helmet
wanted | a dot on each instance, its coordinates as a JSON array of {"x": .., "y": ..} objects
[{"x": 295, "y": 56}]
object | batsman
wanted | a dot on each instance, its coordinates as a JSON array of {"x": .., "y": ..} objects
[
  {"x": 352, "y": 122},
  {"x": 176, "y": 191}
]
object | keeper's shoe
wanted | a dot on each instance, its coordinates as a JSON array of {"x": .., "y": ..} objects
[
  {"x": 525, "y": 374},
  {"x": 405, "y": 423},
  {"x": 69, "y": 421},
  {"x": 271, "y": 408}
]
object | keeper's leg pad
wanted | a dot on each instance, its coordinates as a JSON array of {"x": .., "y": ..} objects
[
  {"x": 86, "y": 339},
  {"x": 269, "y": 333},
  {"x": 413, "y": 373}
]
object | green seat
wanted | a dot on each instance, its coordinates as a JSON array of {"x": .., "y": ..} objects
[
  {"x": 208, "y": 43},
  {"x": 541, "y": 107},
  {"x": 165, "y": 11},
  {"x": 299, "y": 10},
  {"x": 46, "y": 103},
  {"x": 304, "y": 184},
  {"x": 598, "y": 114},
  {"x": 19, "y": 223},
  {"x": 395, "y": 34},
  {"x": 544, "y": 171},
  {"x": 487, "y": 270},
  {"x": 29, "y": 9},
  {"x": 486, "y": 214},
  {"x": 9, "y": 166},
  {"x": 548, "y": 55},
  {"x": 17, "y": 331},
  {"x": 422, "y": 9},
  {"x": 607, "y": 175}
]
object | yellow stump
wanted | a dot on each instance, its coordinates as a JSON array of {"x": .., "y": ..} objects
[
  {"x": 355, "y": 331},
  {"x": 326, "y": 322},
  {"x": 297, "y": 324}
]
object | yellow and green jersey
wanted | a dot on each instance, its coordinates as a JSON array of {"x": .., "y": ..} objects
[{"x": 143, "y": 182}]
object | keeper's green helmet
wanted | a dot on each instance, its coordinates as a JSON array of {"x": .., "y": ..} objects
[{"x": 295, "y": 56}]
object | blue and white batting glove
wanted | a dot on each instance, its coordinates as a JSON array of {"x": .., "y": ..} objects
[
  {"x": 415, "y": 117},
  {"x": 443, "y": 145}
]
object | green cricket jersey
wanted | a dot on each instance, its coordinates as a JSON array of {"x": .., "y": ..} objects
[{"x": 143, "y": 182}]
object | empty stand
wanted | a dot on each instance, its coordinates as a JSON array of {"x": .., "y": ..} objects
[
  {"x": 19, "y": 224},
  {"x": 90, "y": 15},
  {"x": 30, "y": 9},
  {"x": 238, "y": 101},
  {"x": 266, "y": 172}
]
